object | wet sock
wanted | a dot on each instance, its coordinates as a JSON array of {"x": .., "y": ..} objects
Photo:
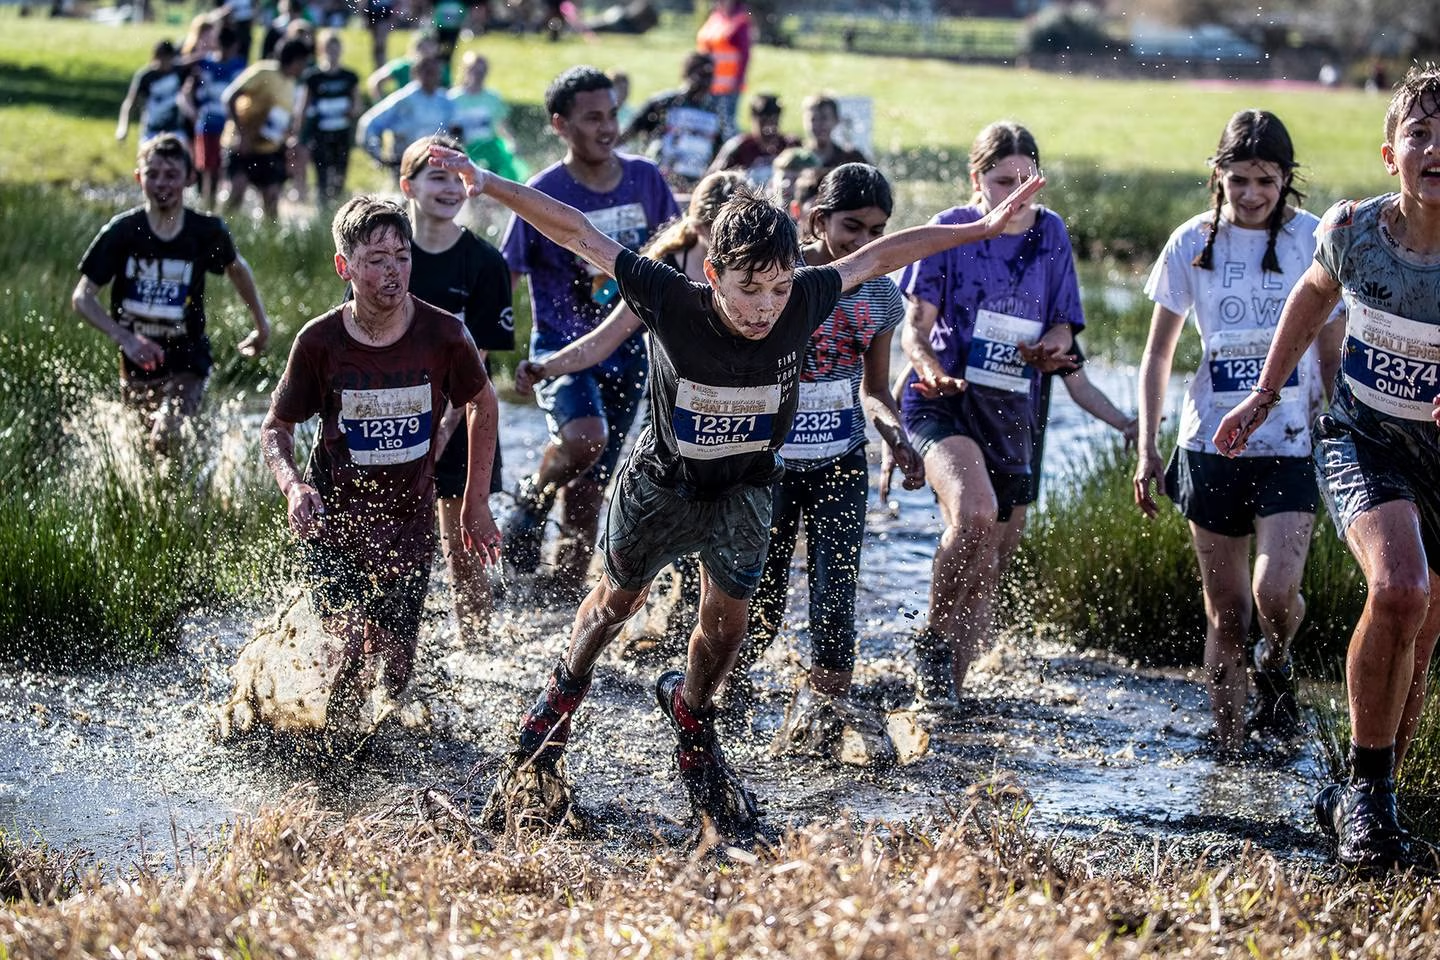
[
  {"x": 548, "y": 721},
  {"x": 1371, "y": 763}
]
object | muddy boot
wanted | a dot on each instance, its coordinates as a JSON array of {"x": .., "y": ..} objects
[
  {"x": 1277, "y": 711},
  {"x": 525, "y": 527},
  {"x": 934, "y": 683},
  {"x": 533, "y": 793},
  {"x": 717, "y": 794},
  {"x": 1362, "y": 820},
  {"x": 827, "y": 726}
]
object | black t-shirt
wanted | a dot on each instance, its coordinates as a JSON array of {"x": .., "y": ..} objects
[
  {"x": 720, "y": 404},
  {"x": 158, "y": 286},
  {"x": 159, "y": 93},
  {"x": 472, "y": 281},
  {"x": 330, "y": 99}
]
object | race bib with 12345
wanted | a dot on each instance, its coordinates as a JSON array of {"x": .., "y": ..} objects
[
  {"x": 386, "y": 426},
  {"x": 714, "y": 422}
]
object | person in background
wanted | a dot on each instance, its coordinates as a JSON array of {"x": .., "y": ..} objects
[
  {"x": 479, "y": 120},
  {"x": 396, "y": 73},
  {"x": 725, "y": 36},
  {"x": 682, "y": 126},
  {"x": 822, "y": 116},
  {"x": 754, "y": 153},
  {"x": 792, "y": 162},
  {"x": 419, "y": 109},
  {"x": 156, "y": 87},
  {"x": 260, "y": 104},
  {"x": 211, "y": 45},
  {"x": 155, "y": 258},
  {"x": 328, "y": 107}
]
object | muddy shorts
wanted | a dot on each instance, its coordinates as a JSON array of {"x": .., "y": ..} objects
[
  {"x": 649, "y": 527},
  {"x": 259, "y": 169},
  {"x": 338, "y": 585},
  {"x": 1365, "y": 459},
  {"x": 1225, "y": 495}
]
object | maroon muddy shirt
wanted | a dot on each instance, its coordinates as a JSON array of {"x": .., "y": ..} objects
[{"x": 379, "y": 407}]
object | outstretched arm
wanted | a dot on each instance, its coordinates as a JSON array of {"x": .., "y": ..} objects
[
  {"x": 558, "y": 221},
  {"x": 579, "y": 354},
  {"x": 894, "y": 251}
]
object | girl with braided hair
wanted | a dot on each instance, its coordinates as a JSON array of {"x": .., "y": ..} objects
[{"x": 1230, "y": 269}]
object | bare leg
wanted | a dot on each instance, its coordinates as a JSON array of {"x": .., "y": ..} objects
[
  {"x": 468, "y": 577},
  {"x": 1225, "y": 579},
  {"x": 967, "y": 561},
  {"x": 1380, "y": 665},
  {"x": 1282, "y": 542},
  {"x": 580, "y": 521},
  {"x": 713, "y": 644},
  {"x": 598, "y": 621}
]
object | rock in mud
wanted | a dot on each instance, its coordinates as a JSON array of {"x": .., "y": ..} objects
[{"x": 284, "y": 679}]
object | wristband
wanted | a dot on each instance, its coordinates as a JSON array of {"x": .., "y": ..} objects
[{"x": 1264, "y": 391}]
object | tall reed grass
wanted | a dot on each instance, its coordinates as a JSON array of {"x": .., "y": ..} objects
[{"x": 1093, "y": 566}]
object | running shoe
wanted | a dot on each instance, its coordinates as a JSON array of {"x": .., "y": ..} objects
[
  {"x": 546, "y": 727},
  {"x": 833, "y": 727},
  {"x": 934, "y": 681},
  {"x": 525, "y": 527},
  {"x": 1362, "y": 819},
  {"x": 715, "y": 791},
  {"x": 1277, "y": 709}
]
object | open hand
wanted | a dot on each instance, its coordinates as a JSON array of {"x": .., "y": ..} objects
[
  {"x": 478, "y": 530},
  {"x": 472, "y": 176},
  {"x": 1045, "y": 358},
  {"x": 997, "y": 219},
  {"x": 932, "y": 386}
]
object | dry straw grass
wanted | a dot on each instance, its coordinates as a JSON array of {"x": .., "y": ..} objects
[{"x": 295, "y": 881}]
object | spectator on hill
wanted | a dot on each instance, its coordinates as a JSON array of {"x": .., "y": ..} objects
[
  {"x": 725, "y": 36},
  {"x": 421, "y": 108},
  {"x": 683, "y": 125},
  {"x": 754, "y": 153}
]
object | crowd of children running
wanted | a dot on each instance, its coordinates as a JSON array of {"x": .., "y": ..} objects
[{"x": 757, "y": 327}]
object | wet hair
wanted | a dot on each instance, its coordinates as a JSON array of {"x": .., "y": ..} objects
[
  {"x": 416, "y": 156},
  {"x": 1252, "y": 135},
  {"x": 706, "y": 200},
  {"x": 1421, "y": 86},
  {"x": 751, "y": 233},
  {"x": 361, "y": 219},
  {"x": 999, "y": 141},
  {"x": 293, "y": 50},
  {"x": 850, "y": 186},
  {"x": 166, "y": 146},
  {"x": 560, "y": 95}
]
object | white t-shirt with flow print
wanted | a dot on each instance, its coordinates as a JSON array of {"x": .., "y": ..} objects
[{"x": 1236, "y": 306}]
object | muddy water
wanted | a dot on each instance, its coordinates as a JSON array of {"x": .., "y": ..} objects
[{"x": 121, "y": 762}]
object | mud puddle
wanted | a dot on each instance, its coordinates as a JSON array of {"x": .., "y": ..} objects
[{"x": 121, "y": 762}]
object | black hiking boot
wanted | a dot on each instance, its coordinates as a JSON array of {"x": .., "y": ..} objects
[
  {"x": 525, "y": 527},
  {"x": 1362, "y": 820},
  {"x": 1277, "y": 709},
  {"x": 934, "y": 682},
  {"x": 716, "y": 792}
]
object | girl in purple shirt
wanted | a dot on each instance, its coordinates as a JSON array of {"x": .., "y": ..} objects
[{"x": 984, "y": 322}]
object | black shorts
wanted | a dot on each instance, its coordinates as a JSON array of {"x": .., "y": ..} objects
[
  {"x": 260, "y": 169},
  {"x": 453, "y": 465},
  {"x": 1011, "y": 489},
  {"x": 331, "y": 151},
  {"x": 338, "y": 585},
  {"x": 649, "y": 527},
  {"x": 1225, "y": 495}
]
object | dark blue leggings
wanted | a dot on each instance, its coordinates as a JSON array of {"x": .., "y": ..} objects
[{"x": 831, "y": 503}]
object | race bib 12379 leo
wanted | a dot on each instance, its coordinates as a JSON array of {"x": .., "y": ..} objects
[{"x": 386, "y": 426}]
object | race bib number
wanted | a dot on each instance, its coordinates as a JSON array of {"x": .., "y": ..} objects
[
  {"x": 332, "y": 114},
  {"x": 1236, "y": 359},
  {"x": 994, "y": 360},
  {"x": 714, "y": 422},
  {"x": 276, "y": 125},
  {"x": 1392, "y": 364},
  {"x": 824, "y": 423},
  {"x": 387, "y": 426},
  {"x": 156, "y": 291}
]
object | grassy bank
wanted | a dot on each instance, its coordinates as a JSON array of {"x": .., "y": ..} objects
[{"x": 295, "y": 882}]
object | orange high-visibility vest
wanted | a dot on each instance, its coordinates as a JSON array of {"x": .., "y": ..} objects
[{"x": 727, "y": 39}]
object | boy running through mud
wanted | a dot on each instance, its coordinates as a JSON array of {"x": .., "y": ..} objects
[
  {"x": 380, "y": 371},
  {"x": 727, "y": 372},
  {"x": 155, "y": 258}
]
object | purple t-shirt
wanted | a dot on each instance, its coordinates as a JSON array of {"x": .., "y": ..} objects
[
  {"x": 568, "y": 297},
  {"x": 992, "y": 295}
]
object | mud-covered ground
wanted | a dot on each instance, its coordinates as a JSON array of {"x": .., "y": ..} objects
[{"x": 122, "y": 762}]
